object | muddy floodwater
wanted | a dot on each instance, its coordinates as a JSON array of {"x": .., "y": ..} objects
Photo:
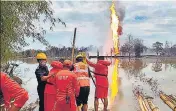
[{"x": 149, "y": 75}]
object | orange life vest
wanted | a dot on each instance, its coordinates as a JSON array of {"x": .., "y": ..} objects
[{"x": 81, "y": 70}]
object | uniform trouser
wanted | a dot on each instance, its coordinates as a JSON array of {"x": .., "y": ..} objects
[{"x": 40, "y": 90}]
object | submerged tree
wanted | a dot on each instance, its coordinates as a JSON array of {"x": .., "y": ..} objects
[{"x": 17, "y": 23}]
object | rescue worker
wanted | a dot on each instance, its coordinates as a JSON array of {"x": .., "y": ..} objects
[
  {"x": 42, "y": 75},
  {"x": 81, "y": 70},
  {"x": 100, "y": 73},
  {"x": 50, "y": 90},
  {"x": 67, "y": 87},
  {"x": 12, "y": 90}
]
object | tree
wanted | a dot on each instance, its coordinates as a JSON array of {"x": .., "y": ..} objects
[
  {"x": 158, "y": 47},
  {"x": 128, "y": 46},
  {"x": 173, "y": 50},
  {"x": 123, "y": 49},
  {"x": 138, "y": 47},
  {"x": 167, "y": 48},
  {"x": 17, "y": 23}
]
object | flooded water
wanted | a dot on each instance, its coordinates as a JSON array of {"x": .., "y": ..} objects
[{"x": 149, "y": 75}]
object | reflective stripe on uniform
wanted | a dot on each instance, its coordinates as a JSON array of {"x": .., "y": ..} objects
[
  {"x": 81, "y": 70},
  {"x": 83, "y": 78}
]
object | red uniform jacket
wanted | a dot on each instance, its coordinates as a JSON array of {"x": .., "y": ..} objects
[
  {"x": 12, "y": 90},
  {"x": 66, "y": 84},
  {"x": 101, "y": 68},
  {"x": 57, "y": 66}
]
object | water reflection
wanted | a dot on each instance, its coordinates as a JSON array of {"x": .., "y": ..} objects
[
  {"x": 120, "y": 95},
  {"x": 133, "y": 67},
  {"x": 157, "y": 66}
]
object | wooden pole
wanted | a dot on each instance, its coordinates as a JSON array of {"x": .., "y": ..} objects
[
  {"x": 171, "y": 99},
  {"x": 151, "y": 105},
  {"x": 73, "y": 45},
  {"x": 142, "y": 103},
  {"x": 166, "y": 101}
]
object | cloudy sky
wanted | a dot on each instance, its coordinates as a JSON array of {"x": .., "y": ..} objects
[{"x": 149, "y": 20}]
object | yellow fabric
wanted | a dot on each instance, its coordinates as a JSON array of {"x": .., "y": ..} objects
[
  {"x": 79, "y": 55},
  {"x": 83, "y": 54},
  {"x": 41, "y": 56}
]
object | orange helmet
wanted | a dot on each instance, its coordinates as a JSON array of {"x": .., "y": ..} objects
[
  {"x": 56, "y": 64},
  {"x": 67, "y": 63}
]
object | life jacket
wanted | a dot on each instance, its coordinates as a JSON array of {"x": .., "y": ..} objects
[{"x": 81, "y": 70}]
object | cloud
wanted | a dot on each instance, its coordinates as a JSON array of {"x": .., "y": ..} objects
[
  {"x": 149, "y": 20},
  {"x": 79, "y": 7}
]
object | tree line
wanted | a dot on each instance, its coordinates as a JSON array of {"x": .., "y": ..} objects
[
  {"x": 54, "y": 51},
  {"x": 136, "y": 47},
  {"x": 132, "y": 47}
]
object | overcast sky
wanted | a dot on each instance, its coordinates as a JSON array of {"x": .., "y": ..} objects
[{"x": 148, "y": 20}]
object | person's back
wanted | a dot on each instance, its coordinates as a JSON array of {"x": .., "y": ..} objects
[
  {"x": 81, "y": 70},
  {"x": 12, "y": 90},
  {"x": 67, "y": 88},
  {"x": 101, "y": 73},
  {"x": 64, "y": 85}
]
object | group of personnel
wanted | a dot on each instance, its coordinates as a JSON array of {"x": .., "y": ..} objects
[{"x": 65, "y": 87}]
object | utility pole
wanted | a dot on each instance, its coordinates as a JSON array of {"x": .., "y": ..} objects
[{"x": 73, "y": 45}]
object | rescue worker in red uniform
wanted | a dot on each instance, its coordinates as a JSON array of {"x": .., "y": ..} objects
[
  {"x": 42, "y": 75},
  {"x": 67, "y": 88},
  {"x": 100, "y": 73},
  {"x": 81, "y": 70},
  {"x": 12, "y": 90},
  {"x": 50, "y": 90}
]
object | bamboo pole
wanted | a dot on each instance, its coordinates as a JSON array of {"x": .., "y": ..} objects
[
  {"x": 73, "y": 45},
  {"x": 142, "y": 103},
  {"x": 171, "y": 99},
  {"x": 151, "y": 105},
  {"x": 166, "y": 101}
]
